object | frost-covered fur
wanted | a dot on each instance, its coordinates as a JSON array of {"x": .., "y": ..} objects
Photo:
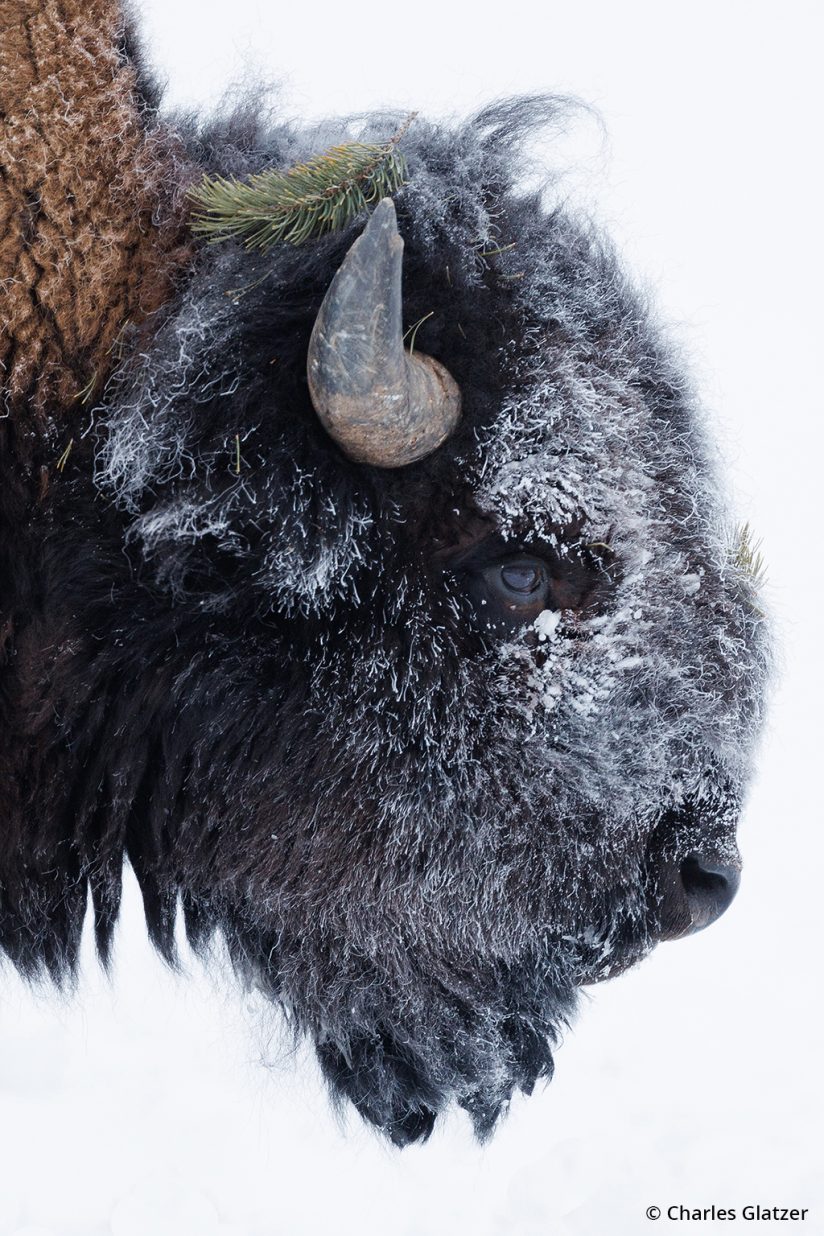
[{"x": 266, "y": 681}]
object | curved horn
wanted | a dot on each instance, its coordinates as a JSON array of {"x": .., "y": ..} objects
[{"x": 381, "y": 404}]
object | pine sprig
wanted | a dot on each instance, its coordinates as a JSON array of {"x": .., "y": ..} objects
[
  {"x": 747, "y": 556},
  {"x": 307, "y": 200}
]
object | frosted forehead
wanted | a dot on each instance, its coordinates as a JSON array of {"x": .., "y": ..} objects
[
  {"x": 576, "y": 443},
  {"x": 646, "y": 700}
]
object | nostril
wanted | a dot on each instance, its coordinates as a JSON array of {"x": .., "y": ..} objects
[{"x": 710, "y": 887}]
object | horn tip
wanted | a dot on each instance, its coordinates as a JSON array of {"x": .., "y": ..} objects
[{"x": 383, "y": 217}]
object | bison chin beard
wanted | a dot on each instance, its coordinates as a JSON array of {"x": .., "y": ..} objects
[
  {"x": 407, "y": 1030},
  {"x": 414, "y": 1008},
  {"x": 406, "y": 1034}
]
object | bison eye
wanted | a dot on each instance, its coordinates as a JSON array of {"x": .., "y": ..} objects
[
  {"x": 523, "y": 579},
  {"x": 510, "y": 586},
  {"x": 515, "y": 591}
]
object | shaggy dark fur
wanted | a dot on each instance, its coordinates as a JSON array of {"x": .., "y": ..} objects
[{"x": 275, "y": 689}]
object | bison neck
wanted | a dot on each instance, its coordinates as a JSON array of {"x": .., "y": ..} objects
[{"x": 99, "y": 756}]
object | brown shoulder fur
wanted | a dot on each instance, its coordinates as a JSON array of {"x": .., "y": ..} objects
[{"x": 91, "y": 224}]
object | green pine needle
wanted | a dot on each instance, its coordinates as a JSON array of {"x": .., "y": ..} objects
[
  {"x": 747, "y": 556},
  {"x": 308, "y": 200}
]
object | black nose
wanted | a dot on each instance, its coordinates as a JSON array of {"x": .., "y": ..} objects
[
  {"x": 695, "y": 894},
  {"x": 709, "y": 886}
]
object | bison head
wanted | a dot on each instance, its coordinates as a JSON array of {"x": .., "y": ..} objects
[{"x": 433, "y": 718}]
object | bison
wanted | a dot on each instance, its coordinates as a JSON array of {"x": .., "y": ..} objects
[{"x": 375, "y": 597}]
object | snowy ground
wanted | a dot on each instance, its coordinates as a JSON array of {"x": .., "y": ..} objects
[{"x": 141, "y": 1108}]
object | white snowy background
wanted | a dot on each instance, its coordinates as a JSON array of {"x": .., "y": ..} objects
[{"x": 140, "y": 1107}]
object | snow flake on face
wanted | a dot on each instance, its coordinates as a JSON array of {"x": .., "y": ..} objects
[{"x": 546, "y": 624}]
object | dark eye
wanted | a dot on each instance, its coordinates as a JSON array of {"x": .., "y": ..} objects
[
  {"x": 509, "y": 586},
  {"x": 516, "y": 589},
  {"x": 523, "y": 578}
]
